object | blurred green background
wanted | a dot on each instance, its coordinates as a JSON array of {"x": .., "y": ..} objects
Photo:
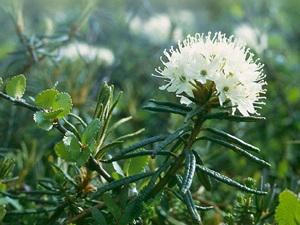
[{"x": 121, "y": 42}]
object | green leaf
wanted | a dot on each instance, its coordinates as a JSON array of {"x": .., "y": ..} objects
[
  {"x": 42, "y": 122},
  {"x": 62, "y": 101},
  {"x": 46, "y": 98},
  {"x": 70, "y": 150},
  {"x": 233, "y": 139},
  {"x": 15, "y": 88},
  {"x": 118, "y": 168},
  {"x": 137, "y": 165},
  {"x": 171, "y": 105},
  {"x": 189, "y": 171},
  {"x": 172, "y": 137},
  {"x": 193, "y": 113},
  {"x": 228, "y": 181},
  {"x": 131, "y": 212},
  {"x": 53, "y": 114},
  {"x": 90, "y": 131},
  {"x": 63, "y": 152},
  {"x": 1, "y": 81},
  {"x": 203, "y": 177},
  {"x": 288, "y": 209},
  {"x": 98, "y": 216},
  {"x": 237, "y": 150},
  {"x": 112, "y": 206},
  {"x": 2, "y": 212},
  {"x": 164, "y": 109}
]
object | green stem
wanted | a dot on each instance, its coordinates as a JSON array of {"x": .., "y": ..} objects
[{"x": 180, "y": 159}]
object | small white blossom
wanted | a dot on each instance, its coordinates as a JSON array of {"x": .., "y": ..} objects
[
  {"x": 253, "y": 37},
  {"x": 89, "y": 53},
  {"x": 225, "y": 61}
]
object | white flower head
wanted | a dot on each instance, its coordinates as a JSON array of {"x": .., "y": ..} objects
[
  {"x": 224, "y": 61},
  {"x": 156, "y": 29},
  {"x": 253, "y": 37},
  {"x": 103, "y": 56}
]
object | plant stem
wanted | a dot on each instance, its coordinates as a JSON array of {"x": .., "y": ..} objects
[{"x": 180, "y": 159}]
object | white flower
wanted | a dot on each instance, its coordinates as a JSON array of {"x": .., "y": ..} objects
[
  {"x": 156, "y": 29},
  {"x": 253, "y": 37},
  {"x": 89, "y": 53},
  {"x": 225, "y": 61}
]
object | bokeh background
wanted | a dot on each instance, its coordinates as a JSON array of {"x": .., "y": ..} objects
[{"x": 120, "y": 42}]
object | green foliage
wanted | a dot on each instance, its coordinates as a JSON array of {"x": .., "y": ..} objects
[
  {"x": 16, "y": 87},
  {"x": 70, "y": 150},
  {"x": 137, "y": 164},
  {"x": 98, "y": 217},
  {"x": 6, "y": 165},
  {"x": 96, "y": 137},
  {"x": 288, "y": 209}
]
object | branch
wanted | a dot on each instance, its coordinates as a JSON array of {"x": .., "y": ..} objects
[{"x": 20, "y": 102}]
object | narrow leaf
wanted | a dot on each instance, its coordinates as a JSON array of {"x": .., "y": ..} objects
[
  {"x": 137, "y": 154},
  {"x": 66, "y": 175},
  {"x": 228, "y": 181},
  {"x": 141, "y": 144},
  {"x": 171, "y": 105},
  {"x": 238, "y": 150},
  {"x": 244, "y": 118},
  {"x": 90, "y": 131},
  {"x": 121, "y": 182},
  {"x": 193, "y": 113},
  {"x": 1, "y": 81},
  {"x": 166, "y": 110},
  {"x": 233, "y": 139},
  {"x": 16, "y": 87},
  {"x": 177, "y": 134},
  {"x": 188, "y": 201},
  {"x": 203, "y": 177},
  {"x": 216, "y": 115},
  {"x": 189, "y": 170},
  {"x": 117, "y": 124},
  {"x": 98, "y": 216},
  {"x": 112, "y": 206}
]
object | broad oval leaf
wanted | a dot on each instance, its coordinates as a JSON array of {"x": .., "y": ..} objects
[
  {"x": 70, "y": 150},
  {"x": 62, "y": 101},
  {"x": 53, "y": 114},
  {"x": 15, "y": 88},
  {"x": 46, "y": 98},
  {"x": 288, "y": 209},
  {"x": 63, "y": 152},
  {"x": 42, "y": 122}
]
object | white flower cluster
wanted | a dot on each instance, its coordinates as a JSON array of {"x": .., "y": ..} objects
[
  {"x": 254, "y": 38},
  {"x": 225, "y": 61},
  {"x": 157, "y": 28},
  {"x": 89, "y": 53}
]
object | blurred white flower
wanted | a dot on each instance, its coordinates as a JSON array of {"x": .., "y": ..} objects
[
  {"x": 156, "y": 29},
  {"x": 225, "y": 61},
  {"x": 253, "y": 37},
  {"x": 88, "y": 53}
]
